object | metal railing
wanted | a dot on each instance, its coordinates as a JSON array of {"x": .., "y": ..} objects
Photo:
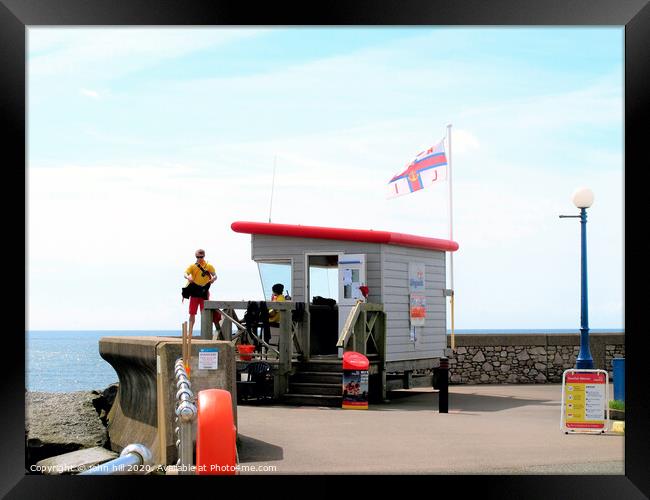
[
  {"x": 135, "y": 458},
  {"x": 186, "y": 412},
  {"x": 241, "y": 331}
]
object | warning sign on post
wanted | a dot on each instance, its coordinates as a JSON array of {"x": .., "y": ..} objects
[
  {"x": 584, "y": 399},
  {"x": 209, "y": 359}
]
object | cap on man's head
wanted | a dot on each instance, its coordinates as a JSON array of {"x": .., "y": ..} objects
[
  {"x": 278, "y": 288},
  {"x": 200, "y": 252}
]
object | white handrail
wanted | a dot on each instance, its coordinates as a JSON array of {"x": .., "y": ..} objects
[{"x": 348, "y": 327}]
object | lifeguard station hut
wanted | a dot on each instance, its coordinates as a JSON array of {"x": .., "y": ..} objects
[{"x": 400, "y": 326}]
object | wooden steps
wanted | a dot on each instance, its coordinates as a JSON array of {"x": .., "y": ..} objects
[
  {"x": 312, "y": 400},
  {"x": 316, "y": 383},
  {"x": 315, "y": 388}
]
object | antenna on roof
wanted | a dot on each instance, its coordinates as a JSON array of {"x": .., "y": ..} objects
[{"x": 272, "y": 184}]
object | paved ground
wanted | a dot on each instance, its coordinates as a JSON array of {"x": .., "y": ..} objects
[{"x": 490, "y": 429}]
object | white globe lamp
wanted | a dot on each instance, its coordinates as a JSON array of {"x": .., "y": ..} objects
[{"x": 583, "y": 197}]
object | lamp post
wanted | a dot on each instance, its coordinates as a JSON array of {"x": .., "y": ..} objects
[{"x": 583, "y": 198}]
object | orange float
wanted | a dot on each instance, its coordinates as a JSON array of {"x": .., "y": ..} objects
[{"x": 216, "y": 446}]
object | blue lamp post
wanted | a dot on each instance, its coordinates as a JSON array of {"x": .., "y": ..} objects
[{"x": 583, "y": 198}]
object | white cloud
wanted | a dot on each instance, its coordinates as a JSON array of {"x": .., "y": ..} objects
[
  {"x": 112, "y": 52},
  {"x": 90, "y": 93}
]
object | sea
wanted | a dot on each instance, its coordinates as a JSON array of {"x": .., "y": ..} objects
[{"x": 67, "y": 361}]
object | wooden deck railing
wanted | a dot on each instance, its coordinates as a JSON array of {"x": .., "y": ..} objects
[
  {"x": 365, "y": 330},
  {"x": 293, "y": 342}
]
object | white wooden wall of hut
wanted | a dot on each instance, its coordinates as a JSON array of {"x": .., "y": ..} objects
[{"x": 387, "y": 274}]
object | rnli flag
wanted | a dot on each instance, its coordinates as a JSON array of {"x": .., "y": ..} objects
[{"x": 427, "y": 168}]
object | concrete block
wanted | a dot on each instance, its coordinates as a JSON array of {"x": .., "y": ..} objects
[
  {"x": 75, "y": 462},
  {"x": 142, "y": 363}
]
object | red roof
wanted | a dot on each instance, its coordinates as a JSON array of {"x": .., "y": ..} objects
[{"x": 333, "y": 233}]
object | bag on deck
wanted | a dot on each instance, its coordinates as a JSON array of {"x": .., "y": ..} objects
[{"x": 321, "y": 301}]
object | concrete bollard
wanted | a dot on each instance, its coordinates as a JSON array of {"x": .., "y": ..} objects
[{"x": 443, "y": 386}]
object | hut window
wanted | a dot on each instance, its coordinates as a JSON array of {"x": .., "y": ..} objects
[
  {"x": 323, "y": 276},
  {"x": 272, "y": 273}
]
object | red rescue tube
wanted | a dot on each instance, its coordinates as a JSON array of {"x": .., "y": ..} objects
[{"x": 216, "y": 435}]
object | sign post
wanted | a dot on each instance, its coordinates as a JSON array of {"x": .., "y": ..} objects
[{"x": 584, "y": 401}]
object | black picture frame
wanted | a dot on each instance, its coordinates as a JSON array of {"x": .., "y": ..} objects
[{"x": 17, "y": 15}]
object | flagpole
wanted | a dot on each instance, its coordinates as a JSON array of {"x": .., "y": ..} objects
[
  {"x": 272, "y": 185},
  {"x": 451, "y": 237}
]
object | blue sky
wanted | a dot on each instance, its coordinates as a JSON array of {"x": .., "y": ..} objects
[{"x": 145, "y": 143}]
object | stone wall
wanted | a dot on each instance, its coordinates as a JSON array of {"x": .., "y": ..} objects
[{"x": 526, "y": 358}]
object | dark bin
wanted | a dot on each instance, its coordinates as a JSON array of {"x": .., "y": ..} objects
[
  {"x": 355, "y": 381},
  {"x": 618, "y": 365}
]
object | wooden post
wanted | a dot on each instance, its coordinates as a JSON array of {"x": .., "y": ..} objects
[
  {"x": 226, "y": 326},
  {"x": 285, "y": 348},
  {"x": 184, "y": 344},
  {"x": 206, "y": 323},
  {"x": 306, "y": 334},
  {"x": 380, "y": 337},
  {"x": 160, "y": 411},
  {"x": 189, "y": 354},
  {"x": 359, "y": 333}
]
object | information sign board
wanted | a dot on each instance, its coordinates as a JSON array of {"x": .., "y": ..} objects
[{"x": 584, "y": 400}]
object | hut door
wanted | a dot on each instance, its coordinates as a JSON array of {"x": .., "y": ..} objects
[{"x": 352, "y": 274}]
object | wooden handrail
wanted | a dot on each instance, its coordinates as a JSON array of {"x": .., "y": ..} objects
[
  {"x": 243, "y": 304},
  {"x": 360, "y": 330}
]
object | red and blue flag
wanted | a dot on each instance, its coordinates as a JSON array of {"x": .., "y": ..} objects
[{"x": 428, "y": 167}]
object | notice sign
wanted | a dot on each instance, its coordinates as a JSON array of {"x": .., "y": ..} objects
[
  {"x": 209, "y": 359},
  {"x": 417, "y": 309},
  {"x": 584, "y": 396},
  {"x": 417, "y": 277},
  {"x": 355, "y": 389}
]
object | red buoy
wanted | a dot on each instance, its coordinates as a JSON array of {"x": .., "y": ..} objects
[{"x": 216, "y": 435}]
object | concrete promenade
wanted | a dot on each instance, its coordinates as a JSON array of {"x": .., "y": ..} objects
[{"x": 490, "y": 429}]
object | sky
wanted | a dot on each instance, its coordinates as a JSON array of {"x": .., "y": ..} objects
[{"x": 145, "y": 144}]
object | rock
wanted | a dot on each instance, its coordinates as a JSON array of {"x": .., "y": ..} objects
[
  {"x": 505, "y": 368},
  {"x": 484, "y": 377},
  {"x": 75, "y": 461},
  {"x": 540, "y": 378},
  {"x": 461, "y": 350},
  {"x": 537, "y": 350},
  {"x": 479, "y": 357},
  {"x": 104, "y": 402},
  {"x": 523, "y": 356},
  {"x": 558, "y": 359},
  {"x": 487, "y": 367},
  {"x": 540, "y": 366},
  {"x": 455, "y": 379},
  {"x": 58, "y": 423}
]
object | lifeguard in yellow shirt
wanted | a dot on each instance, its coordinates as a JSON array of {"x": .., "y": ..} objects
[{"x": 201, "y": 273}]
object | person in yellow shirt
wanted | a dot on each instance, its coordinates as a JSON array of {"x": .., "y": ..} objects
[
  {"x": 274, "y": 316},
  {"x": 201, "y": 273}
]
